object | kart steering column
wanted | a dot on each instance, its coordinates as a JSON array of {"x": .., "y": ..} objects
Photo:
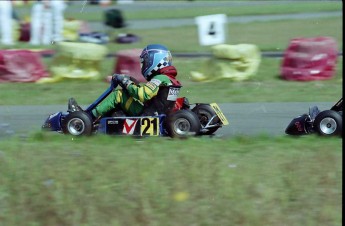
[{"x": 112, "y": 86}]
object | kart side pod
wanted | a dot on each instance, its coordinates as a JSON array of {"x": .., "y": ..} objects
[{"x": 179, "y": 124}]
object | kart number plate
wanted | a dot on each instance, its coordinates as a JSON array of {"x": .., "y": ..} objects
[
  {"x": 149, "y": 126},
  {"x": 219, "y": 113}
]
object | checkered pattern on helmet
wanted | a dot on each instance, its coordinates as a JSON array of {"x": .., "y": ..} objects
[{"x": 162, "y": 64}]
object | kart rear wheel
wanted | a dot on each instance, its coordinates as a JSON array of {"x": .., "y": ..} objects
[
  {"x": 328, "y": 123},
  {"x": 205, "y": 112},
  {"x": 77, "y": 123},
  {"x": 183, "y": 123}
]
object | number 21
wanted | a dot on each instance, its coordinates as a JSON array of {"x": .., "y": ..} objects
[{"x": 149, "y": 127}]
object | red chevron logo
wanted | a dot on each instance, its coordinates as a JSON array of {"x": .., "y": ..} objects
[{"x": 129, "y": 126}]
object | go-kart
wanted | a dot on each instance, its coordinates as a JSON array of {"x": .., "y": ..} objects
[
  {"x": 166, "y": 115},
  {"x": 324, "y": 123}
]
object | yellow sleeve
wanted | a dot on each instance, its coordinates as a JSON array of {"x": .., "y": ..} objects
[{"x": 143, "y": 93}]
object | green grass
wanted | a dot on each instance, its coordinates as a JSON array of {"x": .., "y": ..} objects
[
  {"x": 96, "y": 13},
  {"x": 49, "y": 179},
  {"x": 239, "y": 10},
  {"x": 268, "y": 36}
]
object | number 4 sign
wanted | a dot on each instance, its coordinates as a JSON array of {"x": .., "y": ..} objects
[{"x": 211, "y": 29}]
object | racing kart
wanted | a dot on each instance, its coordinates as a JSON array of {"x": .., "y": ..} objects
[
  {"x": 166, "y": 115},
  {"x": 324, "y": 123}
]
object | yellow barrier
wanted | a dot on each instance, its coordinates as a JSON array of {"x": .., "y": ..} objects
[
  {"x": 234, "y": 62},
  {"x": 76, "y": 61}
]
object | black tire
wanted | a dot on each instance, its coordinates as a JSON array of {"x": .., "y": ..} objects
[
  {"x": 328, "y": 123},
  {"x": 77, "y": 123},
  {"x": 183, "y": 123},
  {"x": 205, "y": 112}
]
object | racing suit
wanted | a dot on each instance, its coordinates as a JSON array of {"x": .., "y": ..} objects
[{"x": 131, "y": 100}]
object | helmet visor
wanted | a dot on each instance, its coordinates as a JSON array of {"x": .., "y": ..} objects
[{"x": 144, "y": 60}]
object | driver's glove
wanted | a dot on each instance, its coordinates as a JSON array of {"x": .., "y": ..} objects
[{"x": 123, "y": 80}]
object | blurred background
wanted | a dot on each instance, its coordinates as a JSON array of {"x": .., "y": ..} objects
[{"x": 244, "y": 43}]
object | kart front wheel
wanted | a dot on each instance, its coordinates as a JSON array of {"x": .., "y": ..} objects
[
  {"x": 77, "y": 123},
  {"x": 328, "y": 123},
  {"x": 206, "y": 116},
  {"x": 183, "y": 123}
]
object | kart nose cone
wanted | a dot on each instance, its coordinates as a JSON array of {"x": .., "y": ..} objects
[
  {"x": 297, "y": 126},
  {"x": 291, "y": 130},
  {"x": 46, "y": 126},
  {"x": 52, "y": 123}
]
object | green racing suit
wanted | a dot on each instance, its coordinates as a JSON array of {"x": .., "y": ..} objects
[{"x": 132, "y": 99}]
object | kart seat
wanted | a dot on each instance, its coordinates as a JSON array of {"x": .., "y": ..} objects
[
  {"x": 313, "y": 112},
  {"x": 163, "y": 102},
  {"x": 73, "y": 105},
  {"x": 338, "y": 106}
]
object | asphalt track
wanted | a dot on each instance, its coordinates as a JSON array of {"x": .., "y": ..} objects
[{"x": 244, "y": 118}]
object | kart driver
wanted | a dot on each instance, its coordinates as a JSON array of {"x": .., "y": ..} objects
[{"x": 156, "y": 67}]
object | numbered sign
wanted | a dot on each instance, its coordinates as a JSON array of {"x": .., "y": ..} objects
[
  {"x": 219, "y": 113},
  {"x": 149, "y": 126},
  {"x": 211, "y": 29}
]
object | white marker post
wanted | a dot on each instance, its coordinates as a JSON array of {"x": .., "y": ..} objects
[{"x": 211, "y": 29}]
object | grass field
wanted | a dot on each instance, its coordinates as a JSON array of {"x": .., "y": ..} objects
[
  {"x": 81, "y": 11},
  {"x": 57, "y": 180}
]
